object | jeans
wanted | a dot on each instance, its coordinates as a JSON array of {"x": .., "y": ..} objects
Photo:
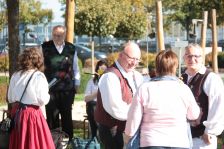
[{"x": 162, "y": 147}]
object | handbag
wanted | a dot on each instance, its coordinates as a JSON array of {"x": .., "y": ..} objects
[
  {"x": 79, "y": 143},
  {"x": 4, "y": 132},
  {"x": 58, "y": 137}
]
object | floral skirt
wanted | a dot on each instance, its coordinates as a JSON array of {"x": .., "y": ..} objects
[{"x": 30, "y": 129}]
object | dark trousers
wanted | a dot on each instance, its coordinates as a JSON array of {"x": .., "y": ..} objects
[
  {"x": 61, "y": 103},
  {"x": 90, "y": 108},
  {"x": 162, "y": 147},
  {"x": 111, "y": 137}
]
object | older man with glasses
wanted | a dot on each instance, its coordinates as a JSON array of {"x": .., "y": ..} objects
[
  {"x": 208, "y": 91},
  {"x": 116, "y": 90}
]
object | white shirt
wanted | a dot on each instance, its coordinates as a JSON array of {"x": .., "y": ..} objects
[
  {"x": 36, "y": 92},
  {"x": 75, "y": 63},
  {"x": 91, "y": 87},
  {"x": 214, "y": 89},
  {"x": 110, "y": 89}
]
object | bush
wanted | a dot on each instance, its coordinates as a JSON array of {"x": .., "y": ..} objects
[
  {"x": 220, "y": 57},
  {"x": 4, "y": 63},
  {"x": 151, "y": 59},
  {"x": 3, "y": 89},
  {"x": 112, "y": 57}
]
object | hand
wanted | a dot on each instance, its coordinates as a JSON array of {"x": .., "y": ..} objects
[
  {"x": 206, "y": 138},
  {"x": 126, "y": 138}
]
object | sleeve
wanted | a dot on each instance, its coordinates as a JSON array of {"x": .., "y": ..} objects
[
  {"x": 135, "y": 113},
  {"x": 214, "y": 89},
  {"x": 112, "y": 101},
  {"x": 76, "y": 70},
  {"x": 10, "y": 92},
  {"x": 88, "y": 88},
  {"x": 193, "y": 110},
  {"x": 42, "y": 89}
]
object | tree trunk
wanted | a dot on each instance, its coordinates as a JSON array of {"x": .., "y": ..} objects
[
  {"x": 13, "y": 33},
  {"x": 69, "y": 22},
  {"x": 214, "y": 43},
  {"x": 159, "y": 23}
]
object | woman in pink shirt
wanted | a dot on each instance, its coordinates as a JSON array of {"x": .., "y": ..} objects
[{"x": 162, "y": 107}]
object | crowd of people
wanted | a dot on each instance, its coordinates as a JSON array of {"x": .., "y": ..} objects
[{"x": 166, "y": 111}]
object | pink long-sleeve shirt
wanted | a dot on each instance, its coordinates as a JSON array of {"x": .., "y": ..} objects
[{"x": 162, "y": 108}]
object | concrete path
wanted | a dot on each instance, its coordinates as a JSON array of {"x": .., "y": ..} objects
[{"x": 78, "y": 110}]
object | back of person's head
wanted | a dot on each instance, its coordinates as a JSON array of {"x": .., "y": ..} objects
[
  {"x": 166, "y": 63},
  {"x": 30, "y": 58}
]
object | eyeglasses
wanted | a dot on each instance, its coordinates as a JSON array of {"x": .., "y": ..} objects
[
  {"x": 193, "y": 56},
  {"x": 58, "y": 35},
  {"x": 132, "y": 58}
]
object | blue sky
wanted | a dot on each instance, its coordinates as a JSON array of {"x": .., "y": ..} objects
[{"x": 55, "y": 6}]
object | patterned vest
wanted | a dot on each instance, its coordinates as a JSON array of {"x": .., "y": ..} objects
[
  {"x": 101, "y": 116},
  {"x": 196, "y": 86},
  {"x": 59, "y": 66}
]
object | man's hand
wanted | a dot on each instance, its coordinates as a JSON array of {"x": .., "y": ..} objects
[
  {"x": 206, "y": 138},
  {"x": 126, "y": 138}
]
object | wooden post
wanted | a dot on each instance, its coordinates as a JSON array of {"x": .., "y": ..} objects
[
  {"x": 214, "y": 43},
  {"x": 69, "y": 22},
  {"x": 159, "y": 22},
  {"x": 203, "y": 33},
  {"x": 92, "y": 57}
]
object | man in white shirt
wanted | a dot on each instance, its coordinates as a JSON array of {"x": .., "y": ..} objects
[
  {"x": 116, "y": 90},
  {"x": 208, "y": 90}
]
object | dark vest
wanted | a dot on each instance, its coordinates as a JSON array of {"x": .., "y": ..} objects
[
  {"x": 59, "y": 66},
  {"x": 196, "y": 86},
  {"x": 101, "y": 116}
]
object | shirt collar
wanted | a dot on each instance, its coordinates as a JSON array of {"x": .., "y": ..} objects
[
  {"x": 59, "y": 47},
  {"x": 123, "y": 72},
  {"x": 201, "y": 71}
]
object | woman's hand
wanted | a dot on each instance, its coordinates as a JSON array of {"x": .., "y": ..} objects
[{"x": 206, "y": 138}]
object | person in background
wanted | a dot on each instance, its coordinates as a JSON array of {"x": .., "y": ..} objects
[
  {"x": 208, "y": 91},
  {"x": 91, "y": 94},
  {"x": 31, "y": 129},
  {"x": 162, "y": 107},
  {"x": 62, "y": 72},
  {"x": 117, "y": 87}
]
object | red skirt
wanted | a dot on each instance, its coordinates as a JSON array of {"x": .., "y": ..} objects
[{"x": 31, "y": 130}]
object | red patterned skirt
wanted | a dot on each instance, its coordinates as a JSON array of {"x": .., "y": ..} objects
[{"x": 31, "y": 130}]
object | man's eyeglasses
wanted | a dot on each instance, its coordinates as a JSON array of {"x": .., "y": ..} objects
[
  {"x": 132, "y": 58},
  {"x": 189, "y": 56},
  {"x": 58, "y": 35}
]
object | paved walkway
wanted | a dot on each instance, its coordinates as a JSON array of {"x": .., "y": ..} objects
[{"x": 78, "y": 110}]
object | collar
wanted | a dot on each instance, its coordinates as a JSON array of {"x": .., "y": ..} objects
[
  {"x": 59, "y": 47},
  {"x": 123, "y": 72},
  {"x": 202, "y": 70}
]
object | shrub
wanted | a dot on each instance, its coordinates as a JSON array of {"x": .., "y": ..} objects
[
  {"x": 4, "y": 63},
  {"x": 208, "y": 59},
  {"x": 151, "y": 59},
  {"x": 112, "y": 57}
]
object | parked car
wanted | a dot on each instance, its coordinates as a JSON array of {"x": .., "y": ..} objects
[
  {"x": 84, "y": 53},
  {"x": 221, "y": 44}
]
